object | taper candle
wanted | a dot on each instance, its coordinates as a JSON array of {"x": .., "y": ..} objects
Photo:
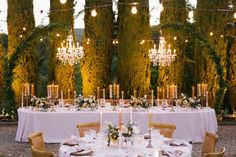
[
  {"x": 110, "y": 91},
  {"x": 98, "y": 90},
  {"x": 150, "y": 118},
  {"x": 61, "y": 95},
  {"x": 117, "y": 91},
  {"x": 22, "y": 99},
  {"x": 192, "y": 91}
]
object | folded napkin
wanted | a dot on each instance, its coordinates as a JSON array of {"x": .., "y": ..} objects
[
  {"x": 174, "y": 143},
  {"x": 72, "y": 141},
  {"x": 82, "y": 153}
]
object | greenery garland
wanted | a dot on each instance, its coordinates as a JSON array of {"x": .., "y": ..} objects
[
  {"x": 189, "y": 28},
  {"x": 10, "y": 64}
]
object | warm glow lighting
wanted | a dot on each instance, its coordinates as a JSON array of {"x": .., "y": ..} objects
[
  {"x": 63, "y": 1},
  {"x": 41, "y": 39},
  {"x": 94, "y": 13},
  {"x": 221, "y": 36},
  {"x": 175, "y": 38},
  {"x": 211, "y": 34},
  {"x": 235, "y": 15},
  {"x": 58, "y": 35},
  {"x": 70, "y": 52},
  {"x": 163, "y": 56},
  {"x": 186, "y": 40},
  {"x": 134, "y": 10},
  {"x": 24, "y": 29}
]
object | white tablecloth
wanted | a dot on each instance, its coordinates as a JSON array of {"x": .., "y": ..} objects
[
  {"x": 100, "y": 148},
  {"x": 56, "y": 126}
]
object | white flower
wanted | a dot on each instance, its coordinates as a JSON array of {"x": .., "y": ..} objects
[{"x": 135, "y": 129}]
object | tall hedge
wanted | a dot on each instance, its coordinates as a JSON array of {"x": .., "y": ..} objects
[
  {"x": 61, "y": 74},
  {"x": 133, "y": 65},
  {"x": 174, "y": 12},
  {"x": 210, "y": 21},
  {"x": 19, "y": 17},
  {"x": 97, "y": 44}
]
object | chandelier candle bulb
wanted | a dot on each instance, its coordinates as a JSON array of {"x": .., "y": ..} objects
[
  {"x": 110, "y": 91},
  {"x": 192, "y": 91},
  {"x": 98, "y": 90},
  {"x": 150, "y": 118}
]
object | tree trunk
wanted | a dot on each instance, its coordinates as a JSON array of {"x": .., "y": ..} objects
[
  {"x": 95, "y": 64},
  {"x": 174, "y": 74},
  {"x": 20, "y": 21},
  {"x": 61, "y": 74},
  {"x": 133, "y": 65}
]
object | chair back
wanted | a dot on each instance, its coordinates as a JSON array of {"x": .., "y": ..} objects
[
  {"x": 36, "y": 140},
  {"x": 167, "y": 130},
  {"x": 88, "y": 126},
  {"x": 209, "y": 143},
  {"x": 217, "y": 154},
  {"x": 41, "y": 153}
]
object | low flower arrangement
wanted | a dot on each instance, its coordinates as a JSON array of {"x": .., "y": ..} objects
[
  {"x": 41, "y": 103},
  {"x": 189, "y": 101},
  {"x": 126, "y": 131},
  {"x": 89, "y": 102},
  {"x": 141, "y": 102}
]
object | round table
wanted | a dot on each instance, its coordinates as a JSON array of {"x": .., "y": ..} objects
[
  {"x": 99, "y": 148},
  {"x": 191, "y": 124}
]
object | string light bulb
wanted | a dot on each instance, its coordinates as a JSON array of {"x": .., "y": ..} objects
[
  {"x": 235, "y": 15},
  {"x": 134, "y": 9},
  {"x": 161, "y": 7},
  {"x": 94, "y": 13},
  {"x": 175, "y": 38},
  {"x": 211, "y": 34},
  {"x": 24, "y": 29},
  {"x": 63, "y": 1}
]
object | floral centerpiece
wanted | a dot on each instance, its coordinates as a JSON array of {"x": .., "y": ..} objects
[
  {"x": 142, "y": 102},
  {"x": 126, "y": 131},
  {"x": 89, "y": 102},
  {"x": 189, "y": 101},
  {"x": 42, "y": 103}
]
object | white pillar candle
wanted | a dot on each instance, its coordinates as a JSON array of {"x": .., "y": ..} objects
[
  {"x": 61, "y": 95},
  {"x": 167, "y": 91},
  {"x": 207, "y": 99},
  {"x": 28, "y": 88},
  {"x": 131, "y": 114},
  {"x": 152, "y": 98},
  {"x": 22, "y": 99},
  {"x": 110, "y": 91},
  {"x": 114, "y": 90},
  {"x": 103, "y": 94},
  {"x": 198, "y": 90},
  {"x": 98, "y": 90},
  {"x": 118, "y": 91},
  {"x": 100, "y": 120},
  {"x": 74, "y": 94},
  {"x": 122, "y": 96}
]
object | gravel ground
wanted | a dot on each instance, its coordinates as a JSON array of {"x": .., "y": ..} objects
[{"x": 10, "y": 148}]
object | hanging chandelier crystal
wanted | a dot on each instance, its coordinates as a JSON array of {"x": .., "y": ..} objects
[
  {"x": 70, "y": 53},
  {"x": 162, "y": 56}
]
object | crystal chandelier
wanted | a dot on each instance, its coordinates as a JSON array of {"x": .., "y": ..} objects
[
  {"x": 70, "y": 53},
  {"x": 162, "y": 56}
]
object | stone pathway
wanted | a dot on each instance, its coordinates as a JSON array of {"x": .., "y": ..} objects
[{"x": 10, "y": 148}]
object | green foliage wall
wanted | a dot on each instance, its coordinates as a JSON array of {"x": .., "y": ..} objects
[
  {"x": 20, "y": 15},
  {"x": 133, "y": 66},
  {"x": 207, "y": 21},
  {"x": 97, "y": 42},
  {"x": 60, "y": 74},
  {"x": 174, "y": 74}
]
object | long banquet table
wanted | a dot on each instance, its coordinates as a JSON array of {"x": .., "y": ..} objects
[{"x": 191, "y": 125}]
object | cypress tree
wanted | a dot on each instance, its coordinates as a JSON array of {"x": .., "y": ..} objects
[
  {"x": 20, "y": 21},
  {"x": 95, "y": 64},
  {"x": 133, "y": 65},
  {"x": 174, "y": 12},
  {"x": 61, "y": 74},
  {"x": 208, "y": 19}
]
